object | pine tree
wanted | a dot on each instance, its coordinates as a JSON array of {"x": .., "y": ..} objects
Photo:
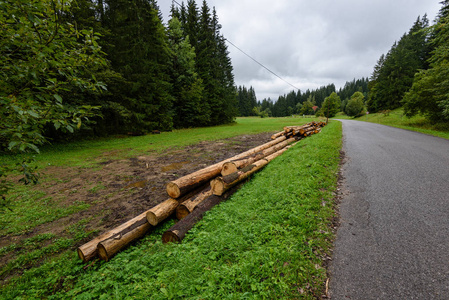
[
  {"x": 187, "y": 86},
  {"x": 430, "y": 90},
  {"x": 394, "y": 73}
]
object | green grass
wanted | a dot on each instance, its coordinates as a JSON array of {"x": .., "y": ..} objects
[
  {"x": 396, "y": 118},
  {"x": 32, "y": 208},
  {"x": 267, "y": 241},
  {"x": 89, "y": 152}
]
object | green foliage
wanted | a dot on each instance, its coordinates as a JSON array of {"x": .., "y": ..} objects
[
  {"x": 188, "y": 88},
  {"x": 43, "y": 58},
  {"x": 331, "y": 105},
  {"x": 267, "y": 241},
  {"x": 257, "y": 111},
  {"x": 247, "y": 101},
  {"x": 355, "y": 106},
  {"x": 350, "y": 87},
  {"x": 430, "y": 91},
  {"x": 393, "y": 75},
  {"x": 307, "y": 107}
]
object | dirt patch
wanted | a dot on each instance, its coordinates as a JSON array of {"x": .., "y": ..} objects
[{"x": 118, "y": 190}]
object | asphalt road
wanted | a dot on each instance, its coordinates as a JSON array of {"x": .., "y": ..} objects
[{"x": 393, "y": 242}]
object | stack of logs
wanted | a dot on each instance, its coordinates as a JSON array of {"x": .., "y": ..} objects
[{"x": 192, "y": 195}]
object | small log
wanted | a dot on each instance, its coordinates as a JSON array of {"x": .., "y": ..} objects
[
  {"x": 188, "y": 206},
  {"x": 276, "y": 135},
  {"x": 233, "y": 166},
  {"x": 123, "y": 235},
  {"x": 89, "y": 250},
  {"x": 221, "y": 184},
  {"x": 163, "y": 210},
  {"x": 178, "y": 231},
  {"x": 184, "y": 184}
]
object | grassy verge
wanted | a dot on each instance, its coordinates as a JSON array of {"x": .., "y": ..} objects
[
  {"x": 269, "y": 241},
  {"x": 396, "y": 118}
]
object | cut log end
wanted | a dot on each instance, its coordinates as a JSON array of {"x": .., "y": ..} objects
[
  {"x": 170, "y": 237},
  {"x": 82, "y": 256},
  {"x": 182, "y": 212},
  {"x": 102, "y": 253},
  {"x": 173, "y": 190},
  {"x": 152, "y": 218},
  {"x": 228, "y": 168},
  {"x": 218, "y": 187}
]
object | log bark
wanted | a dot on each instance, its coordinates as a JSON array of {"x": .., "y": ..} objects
[
  {"x": 178, "y": 231},
  {"x": 182, "y": 185},
  {"x": 163, "y": 210},
  {"x": 123, "y": 235},
  {"x": 188, "y": 206},
  {"x": 233, "y": 166},
  {"x": 221, "y": 184}
]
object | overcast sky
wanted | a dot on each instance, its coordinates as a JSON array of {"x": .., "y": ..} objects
[{"x": 310, "y": 43}]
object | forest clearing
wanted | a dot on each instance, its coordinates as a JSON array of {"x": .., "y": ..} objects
[{"x": 73, "y": 204}]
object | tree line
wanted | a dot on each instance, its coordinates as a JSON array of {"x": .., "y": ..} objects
[{"x": 310, "y": 102}]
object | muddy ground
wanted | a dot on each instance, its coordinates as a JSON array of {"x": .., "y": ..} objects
[{"x": 118, "y": 190}]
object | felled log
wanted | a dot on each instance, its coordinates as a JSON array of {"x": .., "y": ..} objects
[
  {"x": 123, "y": 235},
  {"x": 184, "y": 184},
  {"x": 276, "y": 135},
  {"x": 189, "y": 205},
  {"x": 233, "y": 166},
  {"x": 178, "y": 231},
  {"x": 221, "y": 184},
  {"x": 163, "y": 210},
  {"x": 89, "y": 250}
]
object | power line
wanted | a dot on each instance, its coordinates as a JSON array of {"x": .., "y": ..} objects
[{"x": 260, "y": 64}]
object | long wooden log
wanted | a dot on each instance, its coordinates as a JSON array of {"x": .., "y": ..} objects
[
  {"x": 182, "y": 185},
  {"x": 163, "y": 210},
  {"x": 178, "y": 231},
  {"x": 188, "y": 206},
  {"x": 221, "y": 184},
  {"x": 123, "y": 235},
  {"x": 233, "y": 166}
]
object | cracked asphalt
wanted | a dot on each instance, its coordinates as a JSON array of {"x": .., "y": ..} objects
[{"x": 393, "y": 241}]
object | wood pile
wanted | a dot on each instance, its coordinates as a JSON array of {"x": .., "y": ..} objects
[{"x": 192, "y": 195}]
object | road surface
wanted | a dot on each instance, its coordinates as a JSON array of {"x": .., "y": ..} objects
[{"x": 393, "y": 242}]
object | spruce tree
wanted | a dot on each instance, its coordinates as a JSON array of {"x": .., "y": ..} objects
[
  {"x": 394, "y": 73},
  {"x": 430, "y": 90},
  {"x": 138, "y": 48}
]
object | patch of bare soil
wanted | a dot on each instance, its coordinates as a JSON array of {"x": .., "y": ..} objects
[{"x": 118, "y": 190}]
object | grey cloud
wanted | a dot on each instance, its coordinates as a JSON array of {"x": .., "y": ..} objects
[{"x": 311, "y": 43}]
